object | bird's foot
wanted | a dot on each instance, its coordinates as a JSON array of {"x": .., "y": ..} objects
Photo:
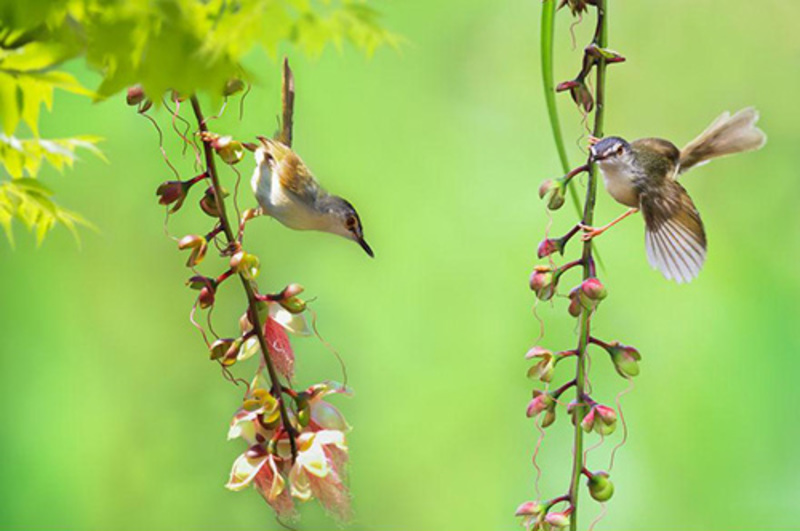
[
  {"x": 590, "y": 232},
  {"x": 593, "y": 140}
]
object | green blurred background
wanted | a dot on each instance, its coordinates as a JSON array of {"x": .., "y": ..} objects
[{"x": 114, "y": 418}]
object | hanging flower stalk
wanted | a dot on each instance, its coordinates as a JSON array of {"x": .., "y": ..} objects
[
  {"x": 586, "y": 414},
  {"x": 295, "y": 439}
]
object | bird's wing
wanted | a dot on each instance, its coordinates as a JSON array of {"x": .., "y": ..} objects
[
  {"x": 674, "y": 233},
  {"x": 293, "y": 174}
]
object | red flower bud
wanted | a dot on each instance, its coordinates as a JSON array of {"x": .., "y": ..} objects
[
  {"x": 550, "y": 246},
  {"x": 135, "y": 95},
  {"x": 206, "y": 297},
  {"x": 543, "y": 282}
]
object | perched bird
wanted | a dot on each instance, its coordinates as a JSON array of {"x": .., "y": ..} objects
[
  {"x": 643, "y": 175},
  {"x": 287, "y": 191}
]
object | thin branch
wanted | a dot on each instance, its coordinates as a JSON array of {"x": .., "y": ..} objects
[{"x": 248, "y": 287}]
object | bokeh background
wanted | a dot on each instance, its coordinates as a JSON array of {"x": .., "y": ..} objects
[{"x": 113, "y": 418}]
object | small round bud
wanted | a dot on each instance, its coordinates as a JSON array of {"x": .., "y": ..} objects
[
  {"x": 600, "y": 487},
  {"x": 593, "y": 289},
  {"x": 541, "y": 401},
  {"x": 135, "y": 95},
  {"x": 172, "y": 192},
  {"x": 625, "y": 358},
  {"x": 543, "y": 282}
]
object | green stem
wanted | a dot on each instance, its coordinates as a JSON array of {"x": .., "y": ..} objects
[
  {"x": 588, "y": 268},
  {"x": 548, "y": 79}
]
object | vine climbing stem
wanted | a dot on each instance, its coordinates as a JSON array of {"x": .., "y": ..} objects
[
  {"x": 277, "y": 388},
  {"x": 600, "y": 39}
]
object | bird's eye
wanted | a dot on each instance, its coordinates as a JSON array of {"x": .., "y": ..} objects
[
  {"x": 620, "y": 150},
  {"x": 351, "y": 222}
]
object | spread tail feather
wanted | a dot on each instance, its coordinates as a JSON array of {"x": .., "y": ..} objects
[
  {"x": 674, "y": 235},
  {"x": 725, "y": 136}
]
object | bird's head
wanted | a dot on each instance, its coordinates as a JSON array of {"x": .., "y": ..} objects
[
  {"x": 341, "y": 218},
  {"x": 611, "y": 151}
]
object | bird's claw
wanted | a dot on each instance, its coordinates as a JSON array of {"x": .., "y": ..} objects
[
  {"x": 589, "y": 232},
  {"x": 593, "y": 140}
]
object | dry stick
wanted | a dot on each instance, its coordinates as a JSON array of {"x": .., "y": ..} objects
[
  {"x": 248, "y": 287},
  {"x": 600, "y": 39}
]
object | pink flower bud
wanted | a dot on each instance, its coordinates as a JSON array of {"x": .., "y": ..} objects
[
  {"x": 601, "y": 419},
  {"x": 543, "y": 282},
  {"x": 529, "y": 508},
  {"x": 593, "y": 289},
  {"x": 557, "y": 520},
  {"x": 541, "y": 401},
  {"x": 549, "y": 246},
  {"x": 292, "y": 290}
]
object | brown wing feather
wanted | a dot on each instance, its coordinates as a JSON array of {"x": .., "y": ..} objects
[
  {"x": 674, "y": 236},
  {"x": 293, "y": 174}
]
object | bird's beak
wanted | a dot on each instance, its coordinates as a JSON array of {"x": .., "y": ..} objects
[
  {"x": 593, "y": 156},
  {"x": 364, "y": 245}
]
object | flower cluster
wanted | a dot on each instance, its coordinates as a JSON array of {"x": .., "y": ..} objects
[
  {"x": 584, "y": 300},
  {"x": 296, "y": 447},
  {"x": 318, "y": 471}
]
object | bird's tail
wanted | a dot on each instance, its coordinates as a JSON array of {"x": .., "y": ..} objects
[{"x": 725, "y": 136}]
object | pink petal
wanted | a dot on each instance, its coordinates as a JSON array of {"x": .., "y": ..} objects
[{"x": 280, "y": 350}]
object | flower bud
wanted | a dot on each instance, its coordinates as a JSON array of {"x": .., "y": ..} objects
[
  {"x": 206, "y": 297},
  {"x": 582, "y": 97},
  {"x": 558, "y": 520},
  {"x": 543, "y": 282},
  {"x": 593, "y": 289},
  {"x": 172, "y": 192},
  {"x": 555, "y": 190},
  {"x": 550, "y": 246},
  {"x": 199, "y": 282},
  {"x": 529, "y": 508},
  {"x": 600, "y": 487},
  {"x": 601, "y": 419},
  {"x": 294, "y": 305},
  {"x": 575, "y": 306},
  {"x": 232, "y": 86},
  {"x": 626, "y": 359},
  {"x": 292, "y": 290},
  {"x": 208, "y": 203},
  {"x": 135, "y": 95},
  {"x": 229, "y": 150},
  {"x": 541, "y": 401},
  {"x": 198, "y": 246},
  {"x": 246, "y": 264}
]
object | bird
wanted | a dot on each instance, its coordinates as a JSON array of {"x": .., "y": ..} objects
[
  {"x": 643, "y": 175},
  {"x": 286, "y": 190}
]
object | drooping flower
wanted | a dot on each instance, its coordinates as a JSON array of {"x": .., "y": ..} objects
[
  {"x": 601, "y": 419},
  {"x": 544, "y": 368},
  {"x": 318, "y": 470}
]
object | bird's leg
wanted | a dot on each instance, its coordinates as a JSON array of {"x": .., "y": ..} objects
[{"x": 591, "y": 232}]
